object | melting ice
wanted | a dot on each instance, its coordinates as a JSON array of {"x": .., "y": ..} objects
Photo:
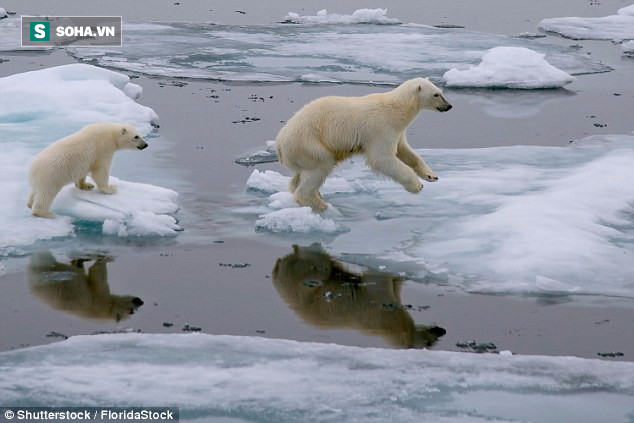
[
  {"x": 40, "y": 107},
  {"x": 316, "y": 52},
  {"x": 251, "y": 379},
  {"x": 520, "y": 219}
]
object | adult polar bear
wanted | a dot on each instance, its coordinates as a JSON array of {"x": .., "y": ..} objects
[
  {"x": 70, "y": 159},
  {"x": 328, "y": 130}
]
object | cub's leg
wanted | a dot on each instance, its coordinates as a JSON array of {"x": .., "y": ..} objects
[
  {"x": 42, "y": 203},
  {"x": 83, "y": 185},
  {"x": 101, "y": 176}
]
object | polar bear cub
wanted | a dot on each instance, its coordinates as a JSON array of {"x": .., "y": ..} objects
[
  {"x": 330, "y": 129},
  {"x": 88, "y": 151}
]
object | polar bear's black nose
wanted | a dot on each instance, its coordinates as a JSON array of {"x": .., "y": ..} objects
[
  {"x": 449, "y": 106},
  {"x": 142, "y": 146}
]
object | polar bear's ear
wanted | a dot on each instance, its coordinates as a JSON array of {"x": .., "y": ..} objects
[{"x": 123, "y": 131}]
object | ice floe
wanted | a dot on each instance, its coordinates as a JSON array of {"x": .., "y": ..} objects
[
  {"x": 615, "y": 27},
  {"x": 252, "y": 379}
]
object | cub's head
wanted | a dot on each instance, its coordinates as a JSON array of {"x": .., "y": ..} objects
[
  {"x": 429, "y": 95},
  {"x": 129, "y": 138}
]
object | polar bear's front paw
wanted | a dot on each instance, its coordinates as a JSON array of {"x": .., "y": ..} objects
[
  {"x": 110, "y": 189},
  {"x": 414, "y": 186}
]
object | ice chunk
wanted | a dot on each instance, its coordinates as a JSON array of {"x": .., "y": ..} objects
[
  {"x": 270, "y": 380},
  {"x": 267, "y": 181},
  {"x": 615, "y": 27},
  {"x": 294, "y": 219},
  {"x": 135, "y": 210},
  {"x": 509, "y": 67},
  {"x": 360, "y": 16},
  {"x": 628, "y": 48}
]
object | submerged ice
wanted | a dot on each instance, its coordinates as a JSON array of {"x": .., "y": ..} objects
[
  {"x": 521, "y": 219},
  {"x": 332, "y": 49},
  {"x": 268, "y": 380},
  {"x": 42, "y": 106}
]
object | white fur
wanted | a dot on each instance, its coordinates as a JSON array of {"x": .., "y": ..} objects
[
  {"x": 331, "y": 129},
  {"x": 88, "y": 151}
]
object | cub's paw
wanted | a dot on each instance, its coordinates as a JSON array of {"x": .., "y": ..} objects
[
  {"x": 86, "y": 186},
  {"x": 43, "y": 213}
]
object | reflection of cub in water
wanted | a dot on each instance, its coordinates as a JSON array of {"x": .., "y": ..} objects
[
  {"x": 67, "y": 287},
  {"x": 323, "y": 293}
]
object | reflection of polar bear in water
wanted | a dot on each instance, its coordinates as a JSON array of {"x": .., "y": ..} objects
[
  {"x": 67, "y": 287},
  {"x": 331, "y": 129},
  {"x": 369, "y": 302}
]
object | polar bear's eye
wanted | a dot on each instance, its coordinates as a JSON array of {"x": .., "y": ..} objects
[
  {"x": 136, "y": 137},
  {"x": 436, "y": 95}
]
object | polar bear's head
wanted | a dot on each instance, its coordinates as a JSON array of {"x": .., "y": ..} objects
[
  {"x": 430, "y": 97},
  {"x": 129, "y": 138}
]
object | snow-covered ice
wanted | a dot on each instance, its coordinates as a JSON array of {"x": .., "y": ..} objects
[
  {"x": 522, "y": 219},
  {"x": 360, "y": 16},
  {"x": 51, "y": 100},
  {"x": 42, "y": 106},
  {"x": 294, "y": 219},
  {"x": 628, "y": 48},
  {"x": 615, "y": 27},
  {"x": 253, "y": 379},
  {"x": 316, "y": 52},
  {"x": 509, "y": 67},
  {"x": 10, "y": 33}
]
